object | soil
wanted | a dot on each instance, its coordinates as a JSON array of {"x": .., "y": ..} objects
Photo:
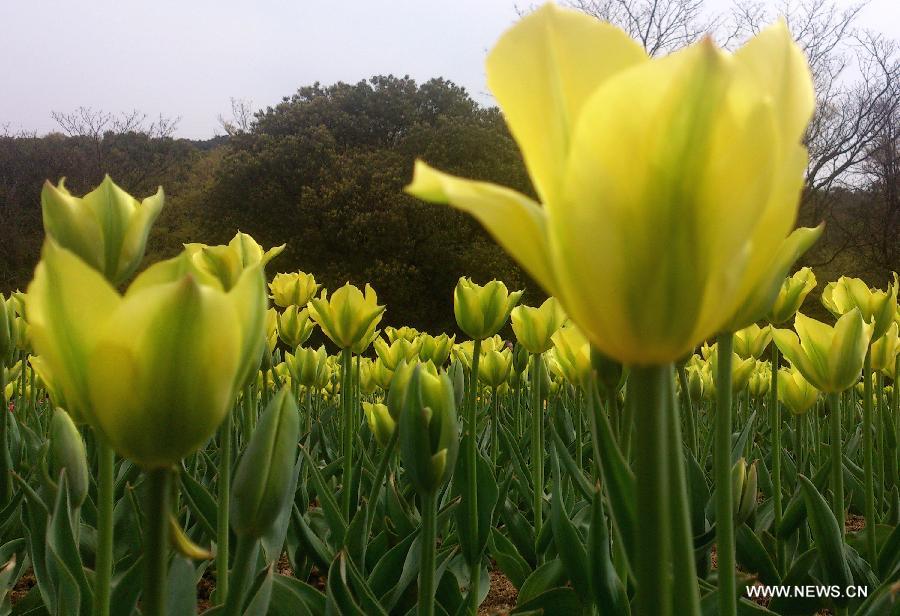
[{"x": 501, "y": 597}]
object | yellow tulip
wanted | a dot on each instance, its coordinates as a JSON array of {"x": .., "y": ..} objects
[
  {"x": 294, "y": 289},
  {"x": 392, "y": 354},
  {"x": 8, "y": 329},
  {"x": 435, "y": 349},
  {"x": 381, "y": 374},
  {"x": 308, "y": 367},
  {"x": 107, "y": 228},
  {"x": 406, "y": 333},
  {"x": 667, "y": 185},
  {"x": 695, "y": 381},
  {"x": 349, "y": 317},
  {"x": 154, "y": 371},
  {"x": 481, "y": 311},
  {"x": 295, "y": 326},
  {"x": 795, "y": 392},
  {"x": 381, "y": 424},
  {"x": 885, "y": 351},
  {"x": 250, "y": 252},
  {"x": 534, "y": 327},
  {"x": 752, "y": 341},
  {"x": 876, "y": 306},
  {"x": 367, "y": 383},
  {"x": 830, "y": 358},
  {"x": 573, "y": 354},
  {"x": 760, "y": 379},
  {"x": 494, "y": 367},
  {"x": 793, "y": 291},
  {"x": 741, "y": 370}
]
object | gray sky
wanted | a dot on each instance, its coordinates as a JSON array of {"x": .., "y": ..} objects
[{"x": 188, "y": 57}]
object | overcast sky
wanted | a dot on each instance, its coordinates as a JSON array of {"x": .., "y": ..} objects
[{"x": 187, "y": 58}]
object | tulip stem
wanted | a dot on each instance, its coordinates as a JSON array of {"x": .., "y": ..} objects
[
  {"x": 380, "y": 472},
  {"x": 156, "y": 541},
  {"x": 725, "y": 549},
  {"x": 244, "y": 562},
  {"x": 867, "y": 457},
  {"x": 472, "y": 486},
  {"x": 654, "y": 546},
  {"x": 693, "y": 441},
  {"x": 5, "y": 458},
  {"x": 426, "y": 573},
  {"x": 222, "y": 522},
  {"x": 106, "y": 460},
  {"x": 537, "y": 450},
  {"x": 775, "y": 414},
  {"x": 837, "y": 464},
  {"x": 347, "y": 433}
]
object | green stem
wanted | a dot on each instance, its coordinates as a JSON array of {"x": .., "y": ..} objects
[
  {"x": 775, "y": 411},
  {"x": 653, "y": 562},
  {"x": 837, "y": 466},
  {"x": 156, "y": 541},
  {"x": 869, "y": 478},
  {"x": 689, "y": 411},
  {"x": 687, "y": 599},
  {"x": 106, "y": 460},
  {"x": 495, "y": 418},
  {"x": 472, "y": 487},
  {"x": 380, "y": 472},
  {"x": 222, "y": 522},
  {"x": 346, "y": 429},
  {"x": 244, "y": 562},
  {"x": 537, "y": 449},
  {"x": 5, "y": 458},
  {"x": 724, "y": 499},
  {"x": 426, "y": 573}
]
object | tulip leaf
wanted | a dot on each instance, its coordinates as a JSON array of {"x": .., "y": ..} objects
[
  {"x": 568, "y": 542},
  {"x": 181, "y": 589},
  {"x": 473, "y": 543},
  {"x": 336, "y": 522},
  {"x": 62, "y": 547},
  {"x": 553, "y": 602},
  {"x": 608, "y": 591},
  {"x": 827, "y": 535},
  {"x": 752, "y": 556},
  {"x": 508, "y": 558},
  {"x": 320, "y": 552},
  {"x": 547, "y": 576},
  {"x": 293, "y": 597}
]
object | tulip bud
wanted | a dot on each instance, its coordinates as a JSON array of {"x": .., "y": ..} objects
[
  {"x": 494, "y": 367},
  {"x": 392, "y": 354},
  {"x": 251, "y": 253},
  {"x": 876, "y": 307},
  {"x": 482, "y": 311},
  {"x": 153, "y": 371},
  {"x": 793, "y": 291},
  {"x": 520, "y": 359},
  {"x": 294, "y": 326},
  {"x": 8, "y": 329},
  {"x": 694, "y": 382},
  {"x": 458, "y": 377},
  {"x": 885, "y": 350},
  {"x": 107, "y": 228},
  {"x": 760, "y": 379},
  {"x": 462, "y": 353},
  {"x": 67, "y": 452},
  {"x": 381, "y": 374},
  {"x": 752, "y": 341},
  {"x": 396, "y": 333},
  {"x": 534, "y": 327},
  {"x": 349, "y": 317},
  {"x": 435, "y": 349},
  {"x": 380, "y": 422},
  {"x": 294, "y": 289},
  {"x": 795, "y": 392},
  {"x": 830, "y": 358},
  {"x": 741, "y": 370},
  {"x": 306, "y": 366},
  {"x": 261, "y": 487},
  {"x": 367, "y": 383},
  {"x": 744, "y": 483},
  {"x": 429, "y": 435},
  {"x": 573, "y": 354}
]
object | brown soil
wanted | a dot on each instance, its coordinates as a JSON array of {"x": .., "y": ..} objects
[
  {"x": 22, "y": 587},
  {"x": 501, "y": 597},
  {"x": 854, "y": 523}
]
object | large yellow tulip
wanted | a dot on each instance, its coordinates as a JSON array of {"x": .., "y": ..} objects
[
  {"x": 349, "y": 317},
  {"x": 153, "y": 371},
  {"x": 667, "y": 186},
  {"x": 534, "y": 327}
]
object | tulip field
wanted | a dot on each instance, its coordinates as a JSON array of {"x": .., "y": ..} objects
[{"x": 667, "y": 434}]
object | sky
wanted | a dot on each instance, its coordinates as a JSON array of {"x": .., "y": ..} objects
[{"x": 188, "y": 58}]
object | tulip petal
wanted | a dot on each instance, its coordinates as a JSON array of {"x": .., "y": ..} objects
[
  {"x": 847, "y": 350},
  {"x": 789, "y": 345},
  {"x": 778, "y": 65},
  {"x": 515, "y": 221},
  {"x": 542, "y": 70}
]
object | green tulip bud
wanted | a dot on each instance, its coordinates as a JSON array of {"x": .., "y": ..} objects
[
  {"x": 745, "y": 482},
  {"x": 830, "y": 358},
  {"x": 573, "y": 354},
  {"x": 482, "y": 311},
  {"x": 795, "y": 392},
  {"x": 294, "y": 289},
  {"x": 793, "y": 291},
  {"x": 435, "y": 349},
  {"x": 760, "y": 379},
  {"x": 295, "y": 326},
  {"x": 399, "y": 350},
  {"x": 67, "y": 452},
  {"x": 741, "y": 370},
  {"x": 396, "y": 333},
  {"x": 107, "y": 228},
  {"x": 250, "y": 252},
  {"x": 876, "y": 307},
  {"x": 534, "y": 327},
  {"x": 885, "y": 350},
  {"x": 261, "y": 487},
  {"x": 429, "y": 435},
  {"x": 494, "y": 368},
  {"x": 153, "y": 371},
  {"x": 307, "y": 366},
  {"x": 349, "y": 317},
  {"x": 8, "y": 329},
  {"x": 752, "y": 341},
  {"x": 380, "y": 422}
]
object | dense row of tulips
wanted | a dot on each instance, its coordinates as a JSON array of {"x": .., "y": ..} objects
[{"x": 171, "y": 427}]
